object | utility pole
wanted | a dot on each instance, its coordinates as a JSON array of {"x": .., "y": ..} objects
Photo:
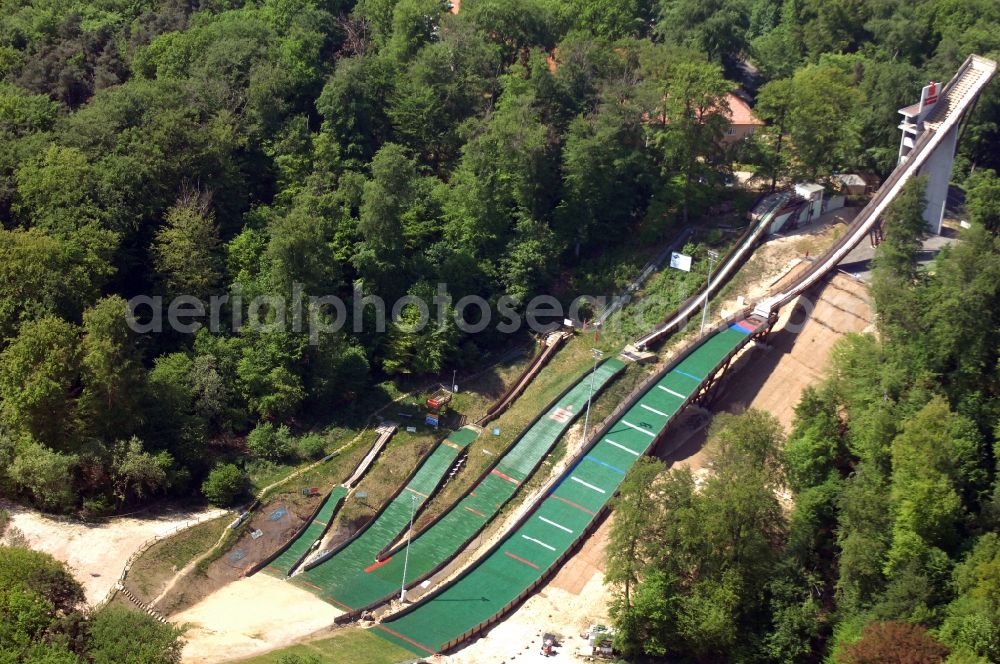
[
  {"x": 586, "y": 419},
  {"x": 708, "y": 289},
  {"x": 406, "y": 558}
]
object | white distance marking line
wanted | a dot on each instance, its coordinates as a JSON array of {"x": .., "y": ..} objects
[
  {"x": 557, "y": 525},
  {"x": 670, "y": 391},
  {"x": 653, "y": 410},
  {"x": 620, "y": 446},
  {"x": 532, "y": 539},
  {"x": 588, "y": 485}
]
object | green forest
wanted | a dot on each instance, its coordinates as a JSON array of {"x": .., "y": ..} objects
[
  {"x": 377, "y": 148},
  {"x": 267, "y": 149}
]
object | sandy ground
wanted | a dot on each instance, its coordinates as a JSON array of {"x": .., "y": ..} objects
[
  {"x": 775, "y": 258},
  {"x": 96, "y": 552},
  {"x": 797, "y": 351},
  {"x": 250, "y": 616},
  {"x": 188, "y": 589}
]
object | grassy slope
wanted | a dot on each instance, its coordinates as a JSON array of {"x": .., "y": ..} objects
[
  {"x": 348, "y": 646},
  {"x": 160, "y": 562}
]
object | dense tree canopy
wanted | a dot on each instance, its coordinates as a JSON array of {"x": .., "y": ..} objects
[
  {"x": 888, "y": 548},
  {"x": 244, "y": 151},
  {"x": 43, "y": 621},
  {"x": 249, "y": 156}
]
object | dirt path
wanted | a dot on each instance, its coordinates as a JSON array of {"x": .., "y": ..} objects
[
  {"x": 95, "y": 552},
  {"x": 250, "y": 616},
  {"x": 184, "y": 571}
]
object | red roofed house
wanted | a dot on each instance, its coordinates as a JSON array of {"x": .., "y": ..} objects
[{"x": 742, "y": 122}]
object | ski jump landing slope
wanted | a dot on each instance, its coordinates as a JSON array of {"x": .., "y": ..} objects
[
  {"x": 286, "y": 560},
  {"x": 373, "y": 582},
  {"x": 289, "y": 559},
  {"x": 547, "y": 534},
  {"x": 325, "y": 575}
]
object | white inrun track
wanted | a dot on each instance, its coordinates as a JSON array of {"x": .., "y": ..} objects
[{"x": 960, "y": 93}]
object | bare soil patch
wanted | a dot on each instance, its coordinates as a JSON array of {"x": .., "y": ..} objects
[
  {"x": 773, "y": 377},
  {"x": 278, "y": 520},
  {"x": 586, "y": 564},
  {"x": 96, "y": 551},
  {"x": 251, "y": 616}
]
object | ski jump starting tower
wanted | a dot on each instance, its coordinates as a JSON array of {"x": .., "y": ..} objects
[{"x": 941, "y": 112}]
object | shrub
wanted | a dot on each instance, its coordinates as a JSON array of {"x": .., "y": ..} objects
[
  {"x": 122, "y": 636},
  {"x": 225, "y": 484},
  {"x": 97, "y": 506},
  {"x": 312, "y": 446},
  {"x": 885, "y": 641},
  {"x": 269, "y": 442}
]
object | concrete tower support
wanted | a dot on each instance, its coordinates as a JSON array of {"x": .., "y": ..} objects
[
  {"x": 938, "y": 165},
  {"x": 920, "y": 117},
  {"x": 937, "y": 168}
]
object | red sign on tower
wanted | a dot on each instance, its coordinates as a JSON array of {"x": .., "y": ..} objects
[{"x": 932, "y": 94}]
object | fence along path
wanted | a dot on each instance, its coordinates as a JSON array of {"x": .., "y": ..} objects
[{"x": 145, "y": 546}]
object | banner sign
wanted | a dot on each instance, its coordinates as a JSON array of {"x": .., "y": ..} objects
[
  {"x": 929, "y": 95},
  {"x": 679, "y": 261}
]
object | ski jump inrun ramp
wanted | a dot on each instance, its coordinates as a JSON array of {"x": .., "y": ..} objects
[{"x": 559, "y": 520}]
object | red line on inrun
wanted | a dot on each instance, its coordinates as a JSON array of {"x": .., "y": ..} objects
[
  {"x": 422, "y": 495},
  {"x": 506, "y": 477},
  {"x": 522, "y": 560},
  {"x": 476, "y": 512},
  {"x": 375, "y": 566},
  {"x": 406, "y": 638},
  {"x": 570, "y": 502}
]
